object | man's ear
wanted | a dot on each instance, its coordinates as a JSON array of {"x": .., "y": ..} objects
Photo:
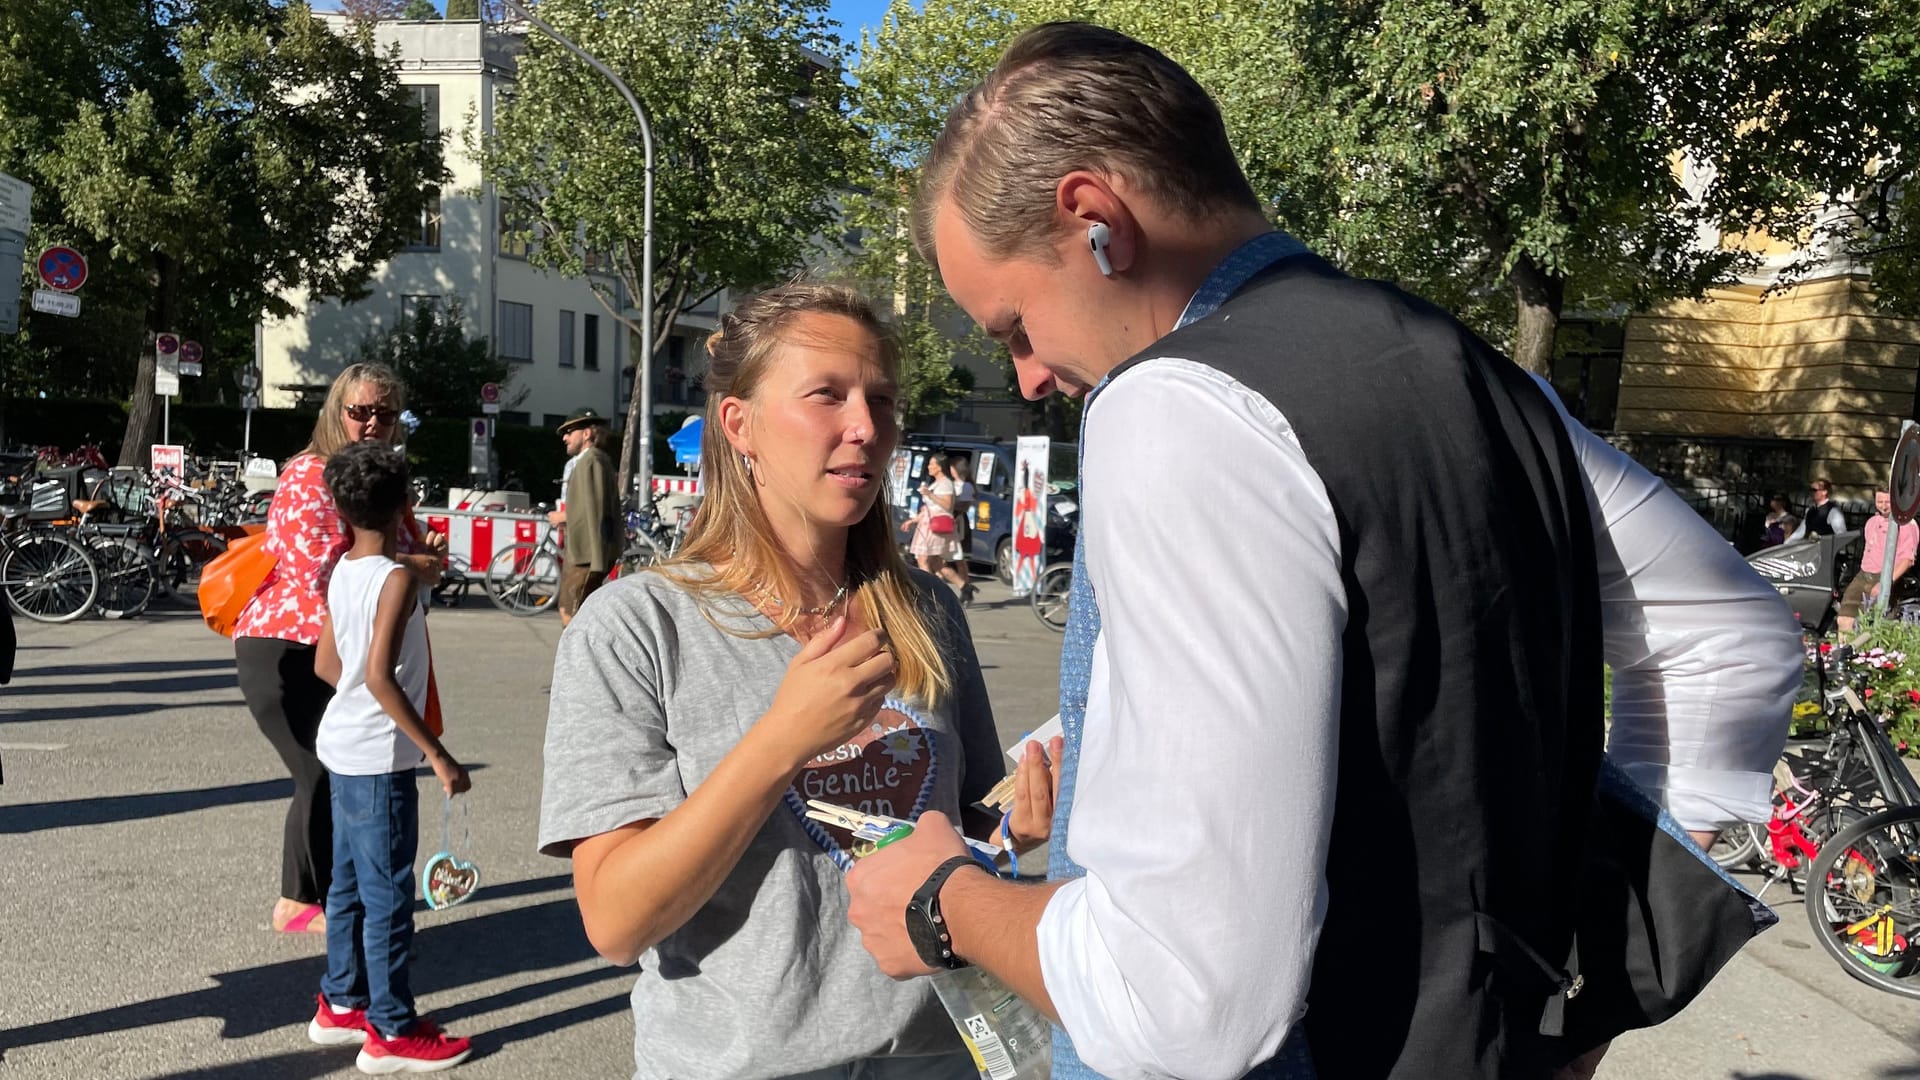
[{"x": 1083, "y": 199}]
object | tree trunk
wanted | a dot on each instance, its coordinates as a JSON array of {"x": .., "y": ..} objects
[
  {"x": 639, "y": 435},
  {"x": 1538, "y": 296},
  {"x": 143, "y": 413}
]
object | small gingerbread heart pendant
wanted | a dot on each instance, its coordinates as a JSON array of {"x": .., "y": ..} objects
[{"x": 447, "y": 880}]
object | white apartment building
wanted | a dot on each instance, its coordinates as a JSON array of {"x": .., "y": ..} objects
[{"x": 566, "y": 350}]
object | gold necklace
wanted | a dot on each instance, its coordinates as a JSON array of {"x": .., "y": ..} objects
[{"x": 820, "y": 612}]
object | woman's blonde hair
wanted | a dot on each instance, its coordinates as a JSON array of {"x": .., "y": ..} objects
[
  {"x": 730, "y": 548},
  {"x": 330, "y": 431}
]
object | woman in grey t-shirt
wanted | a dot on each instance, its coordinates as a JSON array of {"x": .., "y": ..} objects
[{"x": 788, "y": 653}]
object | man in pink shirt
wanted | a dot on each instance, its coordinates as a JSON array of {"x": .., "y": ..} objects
[{"x": 1865, "y": 585}]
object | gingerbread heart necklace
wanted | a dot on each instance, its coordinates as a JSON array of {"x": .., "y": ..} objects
[{"x": 447, "y": 879}]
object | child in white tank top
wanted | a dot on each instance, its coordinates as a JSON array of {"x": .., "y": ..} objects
[{"x": 373, "y": 649}]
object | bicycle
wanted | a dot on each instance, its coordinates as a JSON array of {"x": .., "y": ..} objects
[
  {"x": 1052, "y": 588},
  {"x": 524, "y": 578},
  {"x": 1827, "y": 788},
  {"x": 1863, "y": 884},
  {"x": 47, "y": 576}
]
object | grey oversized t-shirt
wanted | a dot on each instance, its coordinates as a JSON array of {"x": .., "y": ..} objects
[{"x": 768, "y": 979}]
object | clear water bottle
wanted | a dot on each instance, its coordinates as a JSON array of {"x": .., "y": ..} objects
[{"x": 1009, "y": 1039}]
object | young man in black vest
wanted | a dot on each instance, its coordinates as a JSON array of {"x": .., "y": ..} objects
[
  {"x": 1824, "y": 517},
  {"x": 1347, "y": 577}
]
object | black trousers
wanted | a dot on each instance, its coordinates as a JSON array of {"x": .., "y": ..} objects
[{"x": 287, "y": 700}]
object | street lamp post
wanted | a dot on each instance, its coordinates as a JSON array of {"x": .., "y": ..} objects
[{"x": 643, "y": 367}]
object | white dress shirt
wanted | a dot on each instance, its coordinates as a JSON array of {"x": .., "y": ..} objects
[
  {"x": 1836, "y": 520},
  {"x": 1204, "y": 797}
]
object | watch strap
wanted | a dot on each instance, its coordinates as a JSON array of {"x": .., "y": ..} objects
[{"x": 925, "y": 908}]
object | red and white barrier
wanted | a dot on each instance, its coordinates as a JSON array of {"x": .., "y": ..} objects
[
  {"x": 676, "y": 485},
  {"x": 474, "y": 537}
]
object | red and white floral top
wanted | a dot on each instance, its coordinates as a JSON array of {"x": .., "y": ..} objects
[{"x": 307, "y": 536}]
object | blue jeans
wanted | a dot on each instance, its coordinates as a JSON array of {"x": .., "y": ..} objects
[{"x": 376, "y": 832}]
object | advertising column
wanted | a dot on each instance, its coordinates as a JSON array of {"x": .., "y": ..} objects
[{"x": 1029, "y": 510}]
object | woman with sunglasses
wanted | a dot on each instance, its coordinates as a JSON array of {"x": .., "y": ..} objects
[{"x": 274, "y": 639}]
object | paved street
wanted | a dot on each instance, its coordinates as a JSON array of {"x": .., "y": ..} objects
[{"x": 139, "y": 839}]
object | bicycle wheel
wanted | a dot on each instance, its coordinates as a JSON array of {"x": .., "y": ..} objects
[
  {"x": 523, "y": 579},
  {"x": 1739, "y": 846},
  {"x": 1050, "y": 594},
  {"x": 1863, "y": 900},
  {"x": 126, "y": 576},
  {"x": 48, "y": 577},
  {"x": 184, "y": 553}
]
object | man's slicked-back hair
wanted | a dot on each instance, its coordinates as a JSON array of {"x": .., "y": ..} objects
[{"x": 1068, "y": 96}]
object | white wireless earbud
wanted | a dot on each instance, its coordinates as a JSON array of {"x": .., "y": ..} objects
[{"x": 1097, "y": 239}]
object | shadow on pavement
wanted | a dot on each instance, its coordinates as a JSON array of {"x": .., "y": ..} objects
[
  {"x": 32, "y": 817},
  {"x": 252, "y": 1001},
  {"x": 104, "y": 810},
  {"x": 298, "y": 1065},
  {"x": 180, "y": 684},
  {"x": 128, "y": 667},
  {"x": 96, "y": 712}
]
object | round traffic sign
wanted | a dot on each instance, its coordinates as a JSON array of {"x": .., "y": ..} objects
[
  {"x": 190, "y": 352},
  {"x": 62, "y": 268},
  {"x": 1904, "y": 485},
  {"x": 165, "y": 344},
  {"x": 490, "y": 393}
]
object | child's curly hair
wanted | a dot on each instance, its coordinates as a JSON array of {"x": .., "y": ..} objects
[{"x": 369, "y": 484}]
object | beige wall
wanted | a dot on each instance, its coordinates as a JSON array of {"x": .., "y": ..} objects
[{"x": 1812, "y": 363}]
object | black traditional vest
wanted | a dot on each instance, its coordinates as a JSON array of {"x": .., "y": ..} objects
[
  {"x": 1817, "y": 520},
  {"x": 1470, "y": 722}
]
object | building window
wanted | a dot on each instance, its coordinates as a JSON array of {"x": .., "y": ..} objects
[
  {"x": 670, "y": 379},
  {"x": 426, "y": 96},
  {"x": 555, "y": 419},
  {"x": 566, "y": 337},
  {"x": 513, "y": 336},
  {"x": 590, "y": 343},
  {"x": 413, "y": 305},
  {"x": 426, "y": 237},
  {"x": 515, "y": 233},
  {"x": 523, "y": 419}
]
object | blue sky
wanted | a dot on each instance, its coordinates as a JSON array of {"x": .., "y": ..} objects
[
  {"x": 851, "y": 14},
  {"x": 854, "y": 14}
]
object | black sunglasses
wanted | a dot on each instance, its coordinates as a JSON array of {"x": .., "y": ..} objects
[{"x": 360, "y": 414}]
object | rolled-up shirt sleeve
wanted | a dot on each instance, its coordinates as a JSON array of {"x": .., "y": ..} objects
[
  {"x": 1204, "y": 797},
  {"x": 1706, "y": 656}
]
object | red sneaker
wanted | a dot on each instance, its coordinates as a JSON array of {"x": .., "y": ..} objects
[
  {"x": 329, "y": 1028},
  {"x": 423, "y": 1047}
]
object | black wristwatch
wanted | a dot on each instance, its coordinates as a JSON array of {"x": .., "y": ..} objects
[{"x": 926, "y": 927}]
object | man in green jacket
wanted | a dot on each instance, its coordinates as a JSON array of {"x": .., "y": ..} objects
[{"x": 590, "y": 508}]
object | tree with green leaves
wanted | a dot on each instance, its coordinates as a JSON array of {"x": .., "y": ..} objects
[
  {"x": 213, "y": 157},
  {"x": 1829, "y": 127},
  {"x": 910, "y": 70},
  {"x": 438, "y": 362},
  {"x": 419, "y": 9},
  {"x": 751, "y": 138},
  {"x": 1509, "y": 159},
  {"x": 463, "y": 9}
]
